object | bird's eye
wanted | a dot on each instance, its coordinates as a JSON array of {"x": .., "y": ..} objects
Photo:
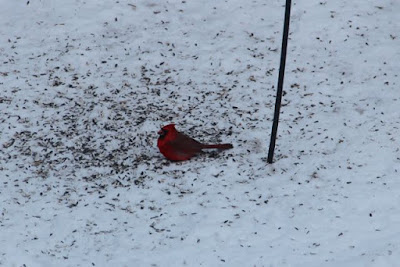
[{"x": 162, "y": 132}]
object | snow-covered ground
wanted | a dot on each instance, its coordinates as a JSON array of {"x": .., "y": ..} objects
[{"x": 85, "y": 86}]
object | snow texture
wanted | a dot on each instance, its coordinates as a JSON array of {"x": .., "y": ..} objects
[{"x": 85, "y": 86}]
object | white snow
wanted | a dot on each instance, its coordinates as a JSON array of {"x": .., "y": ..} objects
[{"x": 85, "y": 86}]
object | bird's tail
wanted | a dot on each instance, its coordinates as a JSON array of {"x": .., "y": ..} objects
[{"x": 219, "y": 146}]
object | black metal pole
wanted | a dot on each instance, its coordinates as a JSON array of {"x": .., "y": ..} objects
[{"x": 280, "y": 82}]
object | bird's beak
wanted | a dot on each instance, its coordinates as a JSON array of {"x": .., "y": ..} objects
[{"x": 160, "y": 132}]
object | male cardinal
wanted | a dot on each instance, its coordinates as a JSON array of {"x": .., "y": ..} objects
[{"x": 178, "y": 146}]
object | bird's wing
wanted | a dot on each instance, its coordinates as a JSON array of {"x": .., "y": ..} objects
[{"x": 185, "y": 144}]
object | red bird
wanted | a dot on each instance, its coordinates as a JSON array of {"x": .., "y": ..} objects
[{"x": 178, "y": 146}]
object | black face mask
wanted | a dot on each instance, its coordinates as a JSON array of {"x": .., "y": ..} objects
[{"x": 162, "y": 133}]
